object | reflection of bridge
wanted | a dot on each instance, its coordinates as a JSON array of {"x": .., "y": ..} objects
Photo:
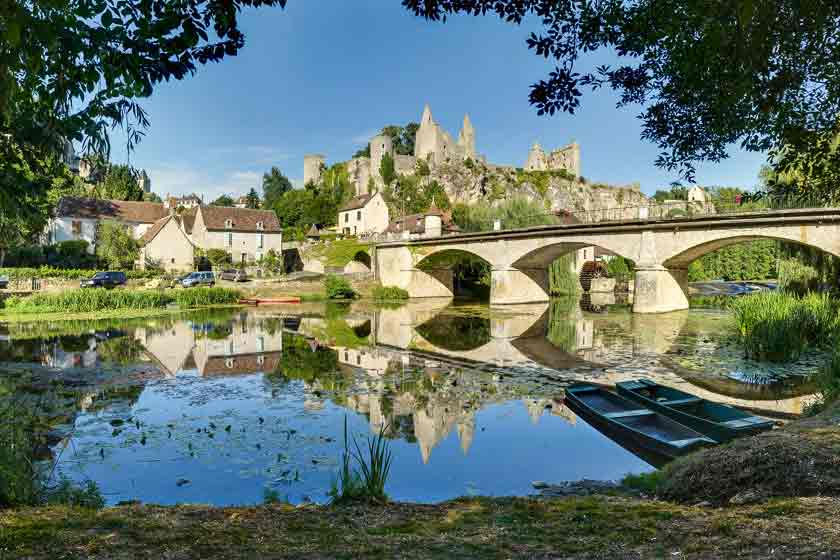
[
  {"x": 661, "y": 249},
  {"x": 518, "y": 339}
]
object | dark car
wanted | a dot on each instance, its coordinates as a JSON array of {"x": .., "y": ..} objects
[
  {"x": 109, "y": 279},
  {"x": 233, "y": 275}
]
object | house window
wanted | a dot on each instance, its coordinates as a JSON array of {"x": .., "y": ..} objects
[
  {"x": 230, "y": 240},
  {"x": 77, "y": 227},
  {"x": 358, "y": 215},
  {"x": 259, "y": 240},
  {"x": 172, "y": 261},
  {"x": 260, "y": 344},
  {"x": 259, "y": 225},
  {"x": 347, "y": 217},
  {"x": 228, "y": 223}
]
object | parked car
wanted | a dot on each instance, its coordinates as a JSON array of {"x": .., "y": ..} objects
[
  {"x": 233, "y": 275},
  {"x": 109, "y": 279},
  {"x": 198, "y": 279},
  {"x": 4, "y": 282}
]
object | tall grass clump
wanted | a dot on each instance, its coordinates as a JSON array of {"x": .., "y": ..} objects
[
  {"x": 562, "y": 276},
  {"x": 389, "y": 293},
  {"x": 196, "y": 297},
  {"x": 338, "y": 287},
  {"x": 87, "y": 300},
  {"x": 367, "y": 482},
  {"x": 779, "y": 326}
]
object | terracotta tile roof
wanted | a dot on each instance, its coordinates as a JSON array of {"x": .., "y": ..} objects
[
  {"x": 95, "y": 208},
  {"x": 241, "y": 363},
  {"x": 416, "y": 223},
  {"x": 242, "y": 219},
  {"x": 356, "y": 202},
  {"x": 153, "y": 231}
]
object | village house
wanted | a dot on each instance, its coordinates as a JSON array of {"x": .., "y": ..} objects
[
  {"x": 364, "y": 215},
  {"x": 166, "y": 238},
  {"x": 244, "y": 233},
  {"x": 431, "y": 223}
]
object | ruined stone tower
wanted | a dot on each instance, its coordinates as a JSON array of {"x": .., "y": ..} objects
[
  {"x": 313, "y": 165},
  {"x": 379, "y": 146},
  {"x": 466, "y": 138},
  {"x": 567, "y": 157}
]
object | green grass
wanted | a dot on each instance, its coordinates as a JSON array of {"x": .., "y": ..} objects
[
  {"x": 389, "y": 293},
  {"x": 94, "y": 300},
  {"x": 337, "y": 253}
]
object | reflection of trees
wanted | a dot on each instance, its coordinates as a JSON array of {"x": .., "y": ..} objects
[
  {"x": 305, "y": 360},
  {"x": 120, "y": 350},
  {"x": 562, "y": 325},
  {"x": 456, "y": 333}
]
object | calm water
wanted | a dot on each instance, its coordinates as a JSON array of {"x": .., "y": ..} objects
[{"x": 220, "y": 407}]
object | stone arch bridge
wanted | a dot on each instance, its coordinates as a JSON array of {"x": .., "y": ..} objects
[{"x": 661, "y": 249}]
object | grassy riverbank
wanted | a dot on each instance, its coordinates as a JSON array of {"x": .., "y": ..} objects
[{"x": 592, "y": 527}]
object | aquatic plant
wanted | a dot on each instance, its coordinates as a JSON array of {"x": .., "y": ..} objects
[
  {"x": 389, "y": 293},
  {"x": 779, "y": 326},
  {"x": 827, "y": 381},
  {"x": 367, "y": 483},
  {"x": 202, "y": 296}
]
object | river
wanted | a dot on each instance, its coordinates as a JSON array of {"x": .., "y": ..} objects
[{"x": 221, "y": 407}]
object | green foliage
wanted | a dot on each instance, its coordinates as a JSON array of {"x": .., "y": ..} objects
[
  {"x": 408, "y": 195},
  {"x": 389, "y": 293},
  {"x": 64, "y": 254},
  {"x": 362, "y": 152},
  {"x": 274, "y": 186},
  {"x": 252, "y": 199},
  {"x": 218, "y": 257},
  {"x": 402, "y": 138},
  {"x": 562, "y": 278},
  {"x": 223, "y": 200},
  {"x": 115, "y": 245},
  {"x": 18, "y": 274},
  {"x": 272, "y": 262},
  {"x": 562, "y": 329},
  {"x": 677, "y": 192},
  {"x": 421, "y": 168},
  {"x": 620, "y": 268},
  {"x": 202, "y": 296},
  {"x": 827, "y": 381},
  {"x": 338, "y": 287},
  {"x": 119, "y": 183},
  {"x": 649, "y": 483},
  {"x": 386, "y": 169},
  {"x": 92, "y": 300},
  {"x": 367, "y": 483},
  {"x": 779, "y": 326},
  {"x": 513, "y": 213},
  {"x": 753, "y": 260},
  {"x": 337, "y": 253},
  {"x": 316, "y": 203}
]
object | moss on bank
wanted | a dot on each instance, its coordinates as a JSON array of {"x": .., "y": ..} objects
[{"x": 594, "y": 527}]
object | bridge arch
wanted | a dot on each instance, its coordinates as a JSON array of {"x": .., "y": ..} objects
[
  {"x": 713, "y": 243},
  {"x": 360, "y": 263}
]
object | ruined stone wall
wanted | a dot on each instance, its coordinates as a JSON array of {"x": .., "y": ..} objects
[{"x": 313, "y": 164}]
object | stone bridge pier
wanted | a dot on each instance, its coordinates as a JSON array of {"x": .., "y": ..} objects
[{"x": 661, "y": 250}]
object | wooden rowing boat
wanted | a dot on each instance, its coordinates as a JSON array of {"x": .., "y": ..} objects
[
  {"x": 624, "y": 418},
  {"x": 269, "y": 301},
  {"x": 718, "y": 421}
]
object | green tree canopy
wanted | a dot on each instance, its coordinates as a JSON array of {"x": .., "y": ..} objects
[
  {"x": 707, "y": 75},
  {"x": 120, "y": 183},
  {"x": 252, "y": 199},
  {"x": 223, "y": 200},
  {"x": 274, "y": 185},
  {"x": 115, "y": 245},
  {"x": 386, "y": 169}
]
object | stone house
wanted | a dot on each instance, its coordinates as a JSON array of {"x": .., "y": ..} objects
[
  {"x": 697, "y": 194},
  {"x": 364, "y": 214},
  {"x": 77, "y": 218},
  {"x": 167, "y": 246},
  {"x": 244, "y": 233},
  {"x": 431, "y": 223}
]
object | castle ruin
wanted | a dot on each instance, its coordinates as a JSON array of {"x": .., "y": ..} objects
[{"x": 435, "y": 146}]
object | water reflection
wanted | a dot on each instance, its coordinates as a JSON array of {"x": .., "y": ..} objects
[{"x": 233, "y": 402}]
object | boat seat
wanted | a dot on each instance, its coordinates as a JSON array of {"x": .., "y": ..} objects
[
  {"x": 745, "y": 422},
  {"x": 689, "y": 400},
  {"x": 628, "y": 413},
  {"x": 687, "y": 442}
]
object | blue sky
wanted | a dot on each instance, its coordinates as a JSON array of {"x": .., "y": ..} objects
[{"x": 324, "y": 75}]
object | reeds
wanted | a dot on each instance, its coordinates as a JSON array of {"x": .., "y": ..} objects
[
  {"x": 94, "y": 299},
  {"x": 779, "y": 326},
  {"x": 389, "y": 293},
  {"x": 367, "y": 483}
]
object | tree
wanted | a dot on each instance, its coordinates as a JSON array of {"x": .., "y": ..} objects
[
  {"x": 274, "y": 185},
  {"x": 707, "y": 74},
  {"x": 223, "y": 200},
  {"x": 152, "y": 197},
  {"x": 120, "y": 183},
  {"x": 71, "y": 71},
  {"x": 386, "y": 169},
  {"x": 115, "y": 246},
  {"x": 252, "y": 199}
]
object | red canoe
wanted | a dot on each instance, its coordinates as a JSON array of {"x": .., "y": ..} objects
[{"x": 269, "y": 301}]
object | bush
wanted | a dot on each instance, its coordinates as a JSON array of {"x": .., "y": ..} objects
[
  {"x": 387, "y": 293},
  {"x": 798, "y": 278},
  {"x": 218, "y": 257},
  {"x": 827, "y": 381},
  {"x": 338, "y": 288},
  {"x": 115, "y": 245},
  {"x": 779, "y": 326},
  {"x": 620, "y": 268},
  {"x": 17, "y": 274}
]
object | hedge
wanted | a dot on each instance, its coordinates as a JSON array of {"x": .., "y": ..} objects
[{"x": 24, "y": 273}]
